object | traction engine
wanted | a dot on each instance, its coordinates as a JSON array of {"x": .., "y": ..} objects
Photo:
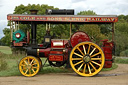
[{"x": 85, "y": 57}]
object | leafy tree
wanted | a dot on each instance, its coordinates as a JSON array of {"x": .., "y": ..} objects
[
  {"x": 61, "y": 31},
  {"x": 106, "y": 29},
  {"x": 93, "y": 30},
  {"x": 121, "y": 33},
  {"x": 89, "y": 12},
  {"x": 121, "y": 17},
  {"x": 6, "y": 39}
]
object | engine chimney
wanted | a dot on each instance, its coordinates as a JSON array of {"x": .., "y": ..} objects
[{"x": 33, "y": 28}]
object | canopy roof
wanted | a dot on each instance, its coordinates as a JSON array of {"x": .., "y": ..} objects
[{"x": 63, "y": 18}]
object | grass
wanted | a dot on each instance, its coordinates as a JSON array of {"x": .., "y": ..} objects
[
  {"x": 114, "y": 66},
  {"x": 12, "y": 64},
  {"x": 13, "y": 60},
  {"x": 121, "y": 60},
  {"x": 5, "y": 49}
]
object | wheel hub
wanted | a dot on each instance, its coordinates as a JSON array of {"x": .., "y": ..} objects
[
  {"x": 86, "y": 58},
  {"x": 29, "y": 66}
]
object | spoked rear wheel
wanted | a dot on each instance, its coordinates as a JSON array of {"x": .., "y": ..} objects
[
  {"x": 29, "y": 66},
  {"x": 87, "y": 59}
]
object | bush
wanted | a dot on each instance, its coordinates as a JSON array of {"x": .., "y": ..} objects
[{"x": 124, "y": 53}]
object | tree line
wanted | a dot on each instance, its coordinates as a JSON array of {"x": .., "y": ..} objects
[{"x": 61, "y": 31}]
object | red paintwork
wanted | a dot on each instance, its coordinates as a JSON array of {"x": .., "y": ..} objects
[
  {"x": 56, "y": 56},
  {"x": 107, "y": 48},
  {"x": 79, "y": 37},
  {"x": 108, "y": 64},
  {"x": 41, "y": 45},
  {"x": 19, "y": 44},
  {"x": 56, "y": 52},
  {"x": 45, "y": 51},
  {"x": 61, "y": 41},
  {"x": 66, "y": 18}
]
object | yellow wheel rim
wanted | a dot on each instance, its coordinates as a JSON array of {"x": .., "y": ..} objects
[
  {"x": 29, "y": 66},
  {"x": 40, "y": 61},
  {"x": 87, "y": 59}
]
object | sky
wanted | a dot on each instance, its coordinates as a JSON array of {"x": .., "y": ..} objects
[{"x": 101, "y": 7}]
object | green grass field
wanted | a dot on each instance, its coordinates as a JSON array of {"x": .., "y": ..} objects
[
  {"x": 121, "y": 60},
  {"x": 10, "y": 66},
  {"x": 5, "y": 49}
]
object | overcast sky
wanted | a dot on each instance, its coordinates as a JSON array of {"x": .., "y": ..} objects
[{"x": 102, "y": 7}]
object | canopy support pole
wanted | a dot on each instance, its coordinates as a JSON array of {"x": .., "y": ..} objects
[
  {"x": 49, "y": 27},
  {"x": 15, "y": 26},
  {"x": 113, "y": 27},
  {"x": 11, "y": 30},
  {"x": 18, "y": 25},
  {"x": 46, "y": 26},
  {"x": 70, "y": 29}
]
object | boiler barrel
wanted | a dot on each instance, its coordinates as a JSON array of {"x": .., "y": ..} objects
[{"x": 38, "y": 52}]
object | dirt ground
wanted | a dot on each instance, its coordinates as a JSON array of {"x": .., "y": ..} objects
[{"x": 117, "y": 76}]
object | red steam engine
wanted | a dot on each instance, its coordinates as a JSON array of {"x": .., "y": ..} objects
[{"x": 85, "y": 57}]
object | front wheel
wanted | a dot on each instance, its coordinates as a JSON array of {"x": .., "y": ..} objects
[
  {"x": 29, "y": 66},
  {"x": 87, "y": 59}
]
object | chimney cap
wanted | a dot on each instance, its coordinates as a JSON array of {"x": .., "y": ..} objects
[{"x": 33, "y": 11}]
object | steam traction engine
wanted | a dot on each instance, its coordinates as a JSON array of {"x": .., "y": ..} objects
[{"x": 85, "y": 57}]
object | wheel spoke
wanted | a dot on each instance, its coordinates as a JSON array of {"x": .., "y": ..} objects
[
  {"x": 25, "y": 62},
  {"x": 33, "y": 70},
  {"x": 29, "y": 71},
  {"x": 89, "y": 48},
  {"x": 92, "y": 66},
  {"x": 35, "y": 67},
  {"x": 95, "y": 58},
  {"x": 84, "y": 68},
  {"x": 76, "y": 58},
  {"x": 89, "y": 69},
  {"x": 96, "y": 54},
  {"x": 32, "y": 61},
  {"x": 84, "y": 49},
  {"x": 96, "y": 63},
  {"x": 78, "y": 63},
  {"x": 80, "y": 67},
  {"x": 22, "y": 65},
  {"x": 34, "y": 64},
  {"x": 92, "y": 51},
  {"x": 80, "y": 51},
  {"x": 78, "y": 55},
  {"x": 28, "y": 61},
  {"x": 26, "y": 71}
]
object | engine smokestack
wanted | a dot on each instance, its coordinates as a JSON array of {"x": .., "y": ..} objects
[{"x": 33, "y": 28}]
